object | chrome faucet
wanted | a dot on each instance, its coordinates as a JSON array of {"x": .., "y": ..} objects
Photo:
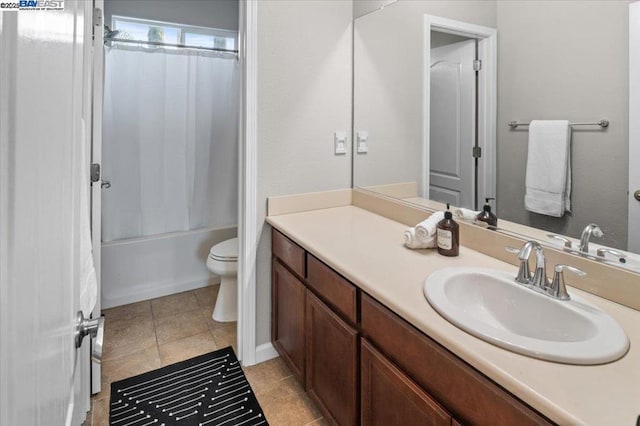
[
  {"x": 601, "y": 252},
  {"x": 590, "y": 229},
  {"x": 557, "y": 289},
  {"x": 539, "y": 280}
]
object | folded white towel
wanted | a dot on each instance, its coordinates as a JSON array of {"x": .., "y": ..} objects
[
  {"x": 465, "y": 213},
  {"x": 427, "y": 228},
  {"x": 548, "y": 178},
  {"x": 412, "y": 241}
]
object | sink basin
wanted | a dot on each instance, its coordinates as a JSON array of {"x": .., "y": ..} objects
[{"x": 490, "y": 305}]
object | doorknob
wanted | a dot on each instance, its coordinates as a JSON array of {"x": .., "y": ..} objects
[
  {"x": 94, "y": 328},
  {"x": 105, "y": 184},
  {"x": 636, "y": 195}
]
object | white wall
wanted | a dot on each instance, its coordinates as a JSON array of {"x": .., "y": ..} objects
[
  {"x": 362, "y": 7},
  {"x": 566, "y": 60},
  {"x": 203, "y": 13},
  {"x": 304, "y": 95}
]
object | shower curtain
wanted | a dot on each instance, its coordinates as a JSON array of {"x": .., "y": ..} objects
[{"x": 170, "y": 137}]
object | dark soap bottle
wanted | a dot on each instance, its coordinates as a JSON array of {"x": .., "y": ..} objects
[
  {"x": 448, "y": 235},
  {"x": 486, "y": 215}
]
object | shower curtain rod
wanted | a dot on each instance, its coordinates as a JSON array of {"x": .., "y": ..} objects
[{"x": 161, "y": 44}]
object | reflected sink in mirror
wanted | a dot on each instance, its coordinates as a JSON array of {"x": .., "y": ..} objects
[{"x": 490, "y": 305}]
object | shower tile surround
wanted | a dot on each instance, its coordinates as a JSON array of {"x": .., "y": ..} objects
[
  {"x": 338, "y": 232},
  {"x": 143, "y": 336}
]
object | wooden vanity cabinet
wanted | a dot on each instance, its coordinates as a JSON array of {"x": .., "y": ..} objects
[
  {"x": 391, "y": 398},
  {"x": 332, "y": 363},
  {"x": 314, "y": 329},
  {"x": 467, "y": 394},
  {"x": 288, "y": 294},
  {"x": 363, "y": 364}
]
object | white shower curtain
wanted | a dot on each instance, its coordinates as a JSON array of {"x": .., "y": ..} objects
[{"x": 170, "y": 145}]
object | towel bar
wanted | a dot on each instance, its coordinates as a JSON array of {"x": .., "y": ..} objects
[{"x": 602, "y": 123}]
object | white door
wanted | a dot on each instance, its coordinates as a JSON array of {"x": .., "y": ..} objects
[
  {"x": 634, "y": 127},
  {"x": 452, "y": 124},
  {"x": 41, "y": 137},
  {"x": 97, "y": 84}
]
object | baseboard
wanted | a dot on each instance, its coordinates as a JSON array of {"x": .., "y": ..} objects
[
  {"x": 265, "y": 352},
  {"x": 159, "y": 291}
]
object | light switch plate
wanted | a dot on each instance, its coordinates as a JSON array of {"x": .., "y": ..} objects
[
  {"x": 340, "y": 143},
  {"x": 362, "y": 145}
]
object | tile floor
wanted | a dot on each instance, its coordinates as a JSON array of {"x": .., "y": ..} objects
[{"x": 147, "y": 335}]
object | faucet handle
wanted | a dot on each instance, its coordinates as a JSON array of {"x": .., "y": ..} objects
[
  {"x": 557, "y": 288},
  {"x": 566, "y": 241},
  {"x": 524, "y": 274},
  {"x": 601, "y": 252}
]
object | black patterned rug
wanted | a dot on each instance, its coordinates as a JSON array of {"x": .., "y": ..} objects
[{"x": 208, "y": 390}]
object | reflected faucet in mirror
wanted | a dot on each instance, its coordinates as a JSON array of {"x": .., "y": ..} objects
[{"x": 590, "y": 229}]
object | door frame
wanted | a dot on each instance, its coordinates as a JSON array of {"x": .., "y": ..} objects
[
  {"x": 634, "y": 125},
  {"x": 487, "y": 96},
  {"x": 248, "y": 183}
]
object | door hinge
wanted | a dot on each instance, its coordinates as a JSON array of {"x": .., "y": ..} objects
[
  {"x": 477, "y": 152},
  {"x": 95, "y": 172},
  {"x": 477, "y": 65},
  {"x": 97, "y": 20}
]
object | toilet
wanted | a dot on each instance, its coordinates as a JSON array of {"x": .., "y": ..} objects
[{"x": 223, "y": 261}]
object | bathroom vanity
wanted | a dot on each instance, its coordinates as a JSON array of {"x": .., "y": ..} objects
[{"x": 350, "y": 320}]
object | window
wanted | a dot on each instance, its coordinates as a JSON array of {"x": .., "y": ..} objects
[{"x": 144, "y": 30}]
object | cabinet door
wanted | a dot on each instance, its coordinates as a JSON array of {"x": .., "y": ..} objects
[
  {"x": 287, "y": 322},
  {"x": 390, "y": 398},
  {"x": 332, "y": 363}
]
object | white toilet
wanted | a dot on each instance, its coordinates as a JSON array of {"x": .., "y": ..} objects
[{"x": 223, "y": 261}]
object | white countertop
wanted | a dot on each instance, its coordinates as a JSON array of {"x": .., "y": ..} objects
[{"x": 367, "y": 249}]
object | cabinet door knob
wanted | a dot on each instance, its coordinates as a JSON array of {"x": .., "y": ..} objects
[{"x": 636, "y": 195}]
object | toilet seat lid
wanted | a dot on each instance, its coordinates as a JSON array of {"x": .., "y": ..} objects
[{"x": 226, "y": 250}]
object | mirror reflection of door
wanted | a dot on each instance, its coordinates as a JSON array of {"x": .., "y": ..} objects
[{"x": 452, "y": 120}]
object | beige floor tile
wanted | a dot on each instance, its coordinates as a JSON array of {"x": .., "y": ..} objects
[
  {"x": 174, "y": 304},
  {"x": 127, "y": 312},
  {"x": 183, "y": 349},
  {"x": 318, "y": 422},
  {"x": 179, "y": 326},
  {"x": 226, "y": 336},
  {"x": 127, "y": 338},
  {"x": 127, "y": 366},
  {"x": 265, "y": 376},
  {"x": 287, "y": 404},
  {"x": 100, "y": 412},
  {"x": 206, "y": 296},
  {"x": 211, "y": 323}
]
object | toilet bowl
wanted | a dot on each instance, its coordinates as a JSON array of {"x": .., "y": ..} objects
[{"x": 223, "y": 261}]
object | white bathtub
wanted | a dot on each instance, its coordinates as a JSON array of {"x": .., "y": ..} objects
[{"x": 144, "y": 268}]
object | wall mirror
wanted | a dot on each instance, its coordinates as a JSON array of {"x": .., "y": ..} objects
[{"x": 437, "y": 83}]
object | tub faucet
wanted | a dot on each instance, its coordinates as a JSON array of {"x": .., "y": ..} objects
[{"x": 590, "y": 229}]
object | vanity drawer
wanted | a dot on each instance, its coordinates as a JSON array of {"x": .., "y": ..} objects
[
  {"x": 289, "y": 253},
  {"x": 467, "y": 394},
  {"x": 332, "y": 288}
]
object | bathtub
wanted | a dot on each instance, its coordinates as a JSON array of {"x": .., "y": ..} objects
[{"x": 144, "y": 268}]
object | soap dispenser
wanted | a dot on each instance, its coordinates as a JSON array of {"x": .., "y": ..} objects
[
  {"x": 448, "y": 235},
  {"x": 486, "y": 215}
]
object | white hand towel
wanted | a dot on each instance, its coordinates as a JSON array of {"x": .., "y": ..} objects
[
  {"x": 465, "y": 213},
  {"x": 548, "y": 178},
  {"x": 412, "y": 241},
  {"x": 427, "y": 228},
  {"x": 88, "y": 282}
]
